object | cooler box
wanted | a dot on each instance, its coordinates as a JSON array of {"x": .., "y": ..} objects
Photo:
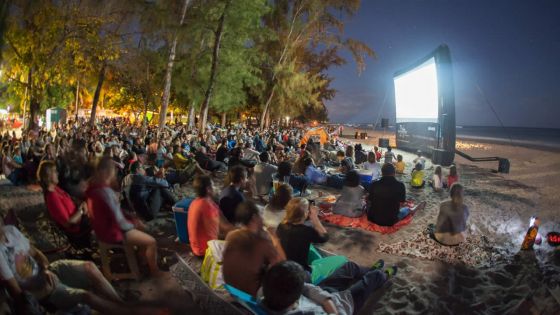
[
  {"x": 180, "y": 213},
  {"x": 365, "y": 177}
]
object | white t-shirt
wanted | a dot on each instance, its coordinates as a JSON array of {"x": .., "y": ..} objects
[
  {"x": 437, "y": 182},
  {"x": 15, "y": 260},
  {"x": 375, "y": 168},
  {"x": 272, "y": 218}
]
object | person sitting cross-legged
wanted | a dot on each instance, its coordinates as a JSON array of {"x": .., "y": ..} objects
[
  {"x": 285, "y": 291},
  {"x": 250, "y": 250},
  {"x": 385, "y": 197},
  {"x": 148, "y": 193},
  {"x": 351, "y": 200},
  {"x": 452, "y": 218}
]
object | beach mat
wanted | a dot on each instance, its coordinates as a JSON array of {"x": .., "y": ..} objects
[
  {"x": 475, "y": 251},
  {"x": 363, "y": 223}
]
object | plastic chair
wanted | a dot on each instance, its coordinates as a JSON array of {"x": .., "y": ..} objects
[{"x": 245, "y": 299}]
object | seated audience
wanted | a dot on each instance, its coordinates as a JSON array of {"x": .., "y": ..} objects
[
  {"x": 452, "y": 218},
  {"x": 249, "y": 153},
  {"x": 346, "y": 162},
  {"x": 249, "y": 251},
  {"x": 318, "y": 177},
  {"x": 63, "y": 283},
  {"x": 274, "y": 211},
  {"x": 263, "y": 174},
  {"x": 148, "y": 193},
  {"x": 285, "y": 292},
  {"x": 389, "y": 155},
  {"x": 295, "y": 236},
  {"x": 108, "y": 220},
  {"x": 371, "y": 164},
  {"x": 351, "y": 200},
  {"x": 299, "y": 183},
  {"x": 236, "y": 158},
  {"x": 385, "y": 197},
  {"x": 399, "y": 166},
  {"x": 420, "y": 159},
  {"x": 222, "y": 151},
  {"x": 206, "y": 163},
  {"x": 186, "y": 168},
  {"x": 299, "y": 168},
  {"x": 205, "y": 221},
  {"x": 71, "y": 219},
  {"x": 232, "y": 195},
  {"x": 378, "y": 153},
  {"x": 417, "y": 177},
  {"x": 453, "y": 177},
  {"x": 11, "y": 169},
  {"x": 437, "y": 179}
]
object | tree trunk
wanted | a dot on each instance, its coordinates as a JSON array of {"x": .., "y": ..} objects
[
  {"x": 266, "y": 110},
  {"x": 214, "y": 69},
  {"x": 96, "y": 95},
  {"x": 191, "y": 118},
  {"x": 169, "y": 71},
  {"x": 33, "y": 103},
  {"x": 224, "y": 119},
  {"x": 77, "y": 99},
  {"x": 144, "y": 118}
]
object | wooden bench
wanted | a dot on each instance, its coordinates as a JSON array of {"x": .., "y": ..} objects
[{"x": 131, "y": 260}]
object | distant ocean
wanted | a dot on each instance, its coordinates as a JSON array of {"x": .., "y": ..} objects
[{"x": 545, "y": 138}]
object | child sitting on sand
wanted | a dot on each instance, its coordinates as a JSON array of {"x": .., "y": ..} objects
[
  {"x": 389, "y": 155},
  {"x": 437, "y": 180},
  {"x": 399, "y": 166},
  {"x": 372, "y": 165},
  {"x": 351, "y": 201},
  {"x": 417, "y": 180},
  {"x": 453, "y": 177},
  {"x": 420, "y": 159},
  {"x": 452, "y": 219}
]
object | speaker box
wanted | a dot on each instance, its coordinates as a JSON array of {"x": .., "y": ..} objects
[
  {"x": 383, "y": 142},
  {"x": 384, "y": 122},
  {"x": 503, "y": 166},
  {"x": 442, "y": 157}
]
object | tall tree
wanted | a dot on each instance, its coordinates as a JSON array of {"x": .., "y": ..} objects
[
  {"x": 169, "y": 70},
  {"x": 301, "y": 27},
  {"x": 214, "y": 68}
]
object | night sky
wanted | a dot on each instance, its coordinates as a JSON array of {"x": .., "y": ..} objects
[{"x": 509, "y": 48}]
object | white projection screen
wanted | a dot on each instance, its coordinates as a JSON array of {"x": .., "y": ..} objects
[{"x": 416, "y": 94}]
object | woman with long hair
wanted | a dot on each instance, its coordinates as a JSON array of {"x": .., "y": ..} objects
[
  {"x": 107, "y": 218},
  {"x": 71, "y": 219},
  {"x": 275, "y": 211},
  {"x": 295, "y": 236}
]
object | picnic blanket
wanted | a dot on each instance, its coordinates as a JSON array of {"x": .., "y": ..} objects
[
  {"x": 363, "y": 223},
  {"x": 475, "y": 251}
]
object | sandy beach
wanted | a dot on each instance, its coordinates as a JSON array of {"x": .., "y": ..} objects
[{"x": 489, "y": 275}]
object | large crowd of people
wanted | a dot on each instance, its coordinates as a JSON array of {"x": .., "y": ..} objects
[{"x": 114, "y": 177}]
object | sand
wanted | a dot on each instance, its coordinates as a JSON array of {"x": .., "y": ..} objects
[{"x": 492, "y": 278}]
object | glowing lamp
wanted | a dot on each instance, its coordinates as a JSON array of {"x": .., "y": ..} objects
[{"x": 553, "y": 239}]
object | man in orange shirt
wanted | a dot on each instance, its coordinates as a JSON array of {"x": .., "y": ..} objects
[{"x": 205, "y": 220}]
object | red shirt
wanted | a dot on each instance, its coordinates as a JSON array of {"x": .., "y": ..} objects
[
  {"x": 451, "y": 180},
  {"x": 61, "y": 208},
  {"x": 203, "y": 224}
]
